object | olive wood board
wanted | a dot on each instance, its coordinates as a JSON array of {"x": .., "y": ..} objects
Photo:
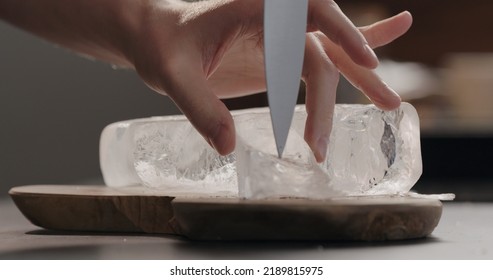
[{"x": 139, "y": 210}]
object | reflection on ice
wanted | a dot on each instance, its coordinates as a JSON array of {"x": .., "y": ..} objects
[{"x": 370, "y": 152}]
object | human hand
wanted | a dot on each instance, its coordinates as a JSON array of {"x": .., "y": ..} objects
[
  {"x": 199, "y": 52},
  {"x": 216, "y": 51}
]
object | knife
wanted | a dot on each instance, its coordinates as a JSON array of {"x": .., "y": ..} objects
[{"x": 284, "y": 46}]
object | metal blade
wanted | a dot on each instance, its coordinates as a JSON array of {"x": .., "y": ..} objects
[{"x": 284, "y": 43}]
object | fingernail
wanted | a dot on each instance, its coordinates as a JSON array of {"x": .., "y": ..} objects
[
  {"x": 322, "y": 145},
  {"x": 220, "y": 140},
  {"x": 397, "y": 98},
  {"x": 373, "y": 56},
  {"x": 389, "y": 99},
  {"x": 392, "y": 91},
  {"x": 214, "y": 137}
]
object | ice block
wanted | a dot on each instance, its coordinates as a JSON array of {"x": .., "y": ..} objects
[{"x": 371, "y": 152}]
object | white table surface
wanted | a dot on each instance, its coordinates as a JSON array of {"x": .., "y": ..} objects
[{"x": 464, "y": 232}]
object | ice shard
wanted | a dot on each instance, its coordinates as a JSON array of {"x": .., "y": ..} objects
[{"x": 370, "y": 152}]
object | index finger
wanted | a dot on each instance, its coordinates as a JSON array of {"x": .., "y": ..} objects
[{"x": 326, "y": 16}]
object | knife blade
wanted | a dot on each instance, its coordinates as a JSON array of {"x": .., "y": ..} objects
[{"x": 284, "y": 46}]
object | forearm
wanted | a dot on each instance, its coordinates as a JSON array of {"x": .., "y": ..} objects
[{"x": 104, "y": 29}]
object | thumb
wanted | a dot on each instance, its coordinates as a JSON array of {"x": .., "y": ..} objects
[{"x": 187, "y": 86}]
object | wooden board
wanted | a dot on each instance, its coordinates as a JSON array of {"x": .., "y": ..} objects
[{"x": 137, "y": 209}]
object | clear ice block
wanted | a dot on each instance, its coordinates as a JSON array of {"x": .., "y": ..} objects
[
  {"x": 370, "y": 152},
  {"x": 166, "y": 154}
]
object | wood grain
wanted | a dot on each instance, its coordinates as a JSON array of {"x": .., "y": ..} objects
[{"x": 137, "y": 209}]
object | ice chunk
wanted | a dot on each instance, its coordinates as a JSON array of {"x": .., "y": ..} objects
[
  {"x": 370, "y": 152},
  {"x": 166, "y": 154},
  {"x": 261, "y": 174}
]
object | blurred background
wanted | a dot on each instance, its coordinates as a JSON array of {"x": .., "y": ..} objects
[{"x": 54, "y": 104}]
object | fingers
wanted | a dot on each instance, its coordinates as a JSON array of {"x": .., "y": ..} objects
[
  {"x": 186, "y": 85},
  {"x": 385, "y": 31},
  {"x": 326, "y": 16},
  {"x": 362, "y": 78},
  {"x": 321, "y": 78}
]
